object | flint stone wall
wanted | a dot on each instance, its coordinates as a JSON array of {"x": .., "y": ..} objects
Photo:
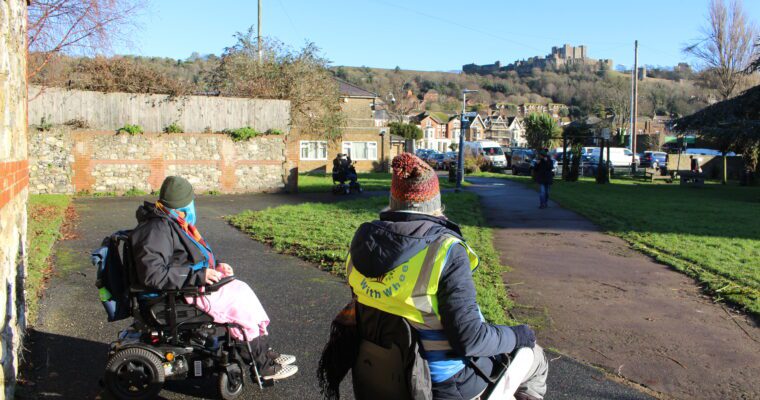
[{"x": 72, "y": 161}]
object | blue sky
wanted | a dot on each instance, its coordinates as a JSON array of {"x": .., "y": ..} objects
[{"x": 430, "y": 35}]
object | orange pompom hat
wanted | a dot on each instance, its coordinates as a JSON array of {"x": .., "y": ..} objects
[{"x": 414, "y": 185}]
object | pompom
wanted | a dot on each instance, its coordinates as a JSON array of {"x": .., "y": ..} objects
[{"x": 407, "y": 165}]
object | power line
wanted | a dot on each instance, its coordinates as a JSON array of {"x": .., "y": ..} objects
[
  {"x": 457, "y": 24},
  {"x": 292, "y": 25}
]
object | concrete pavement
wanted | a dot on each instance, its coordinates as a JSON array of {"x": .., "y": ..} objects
[
  {"x": 607, "y": 304},
  {"x": 69, "y": 344}
]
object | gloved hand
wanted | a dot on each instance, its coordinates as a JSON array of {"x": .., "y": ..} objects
[{"x": 525, "y": 336}]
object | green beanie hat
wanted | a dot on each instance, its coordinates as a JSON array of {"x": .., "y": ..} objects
[{"x": 176, "y": 192}]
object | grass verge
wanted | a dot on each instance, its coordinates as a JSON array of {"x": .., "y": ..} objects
[
  {"x": 321, "y": 233},
  {"x": 47, "y": 214},
  {"x": 486, "y": 174},
  {"x": 710, "y": 233},
  {"x": 370, "y": 181}
]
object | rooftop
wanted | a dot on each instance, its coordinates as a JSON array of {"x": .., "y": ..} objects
[{"x": 351, "y": 90}]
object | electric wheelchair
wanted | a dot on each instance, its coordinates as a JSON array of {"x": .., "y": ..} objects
[{"x": 171, "y": 339}]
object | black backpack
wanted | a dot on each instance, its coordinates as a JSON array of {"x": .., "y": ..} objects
[
  {"x": 113, "y": 260},
  {"x": 388, "y": 363}
]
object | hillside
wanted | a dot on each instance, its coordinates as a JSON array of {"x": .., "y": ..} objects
[{"x": 585, "y": 90}]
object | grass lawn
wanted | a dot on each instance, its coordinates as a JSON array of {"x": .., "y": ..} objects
[
  {"x": 321, "y": 233},
  {"x": 46, "y": 217},
  {"x": 486, "y": 174},
  {"x": 711, "y": 233},
  {"x": 370, "y": 181}
]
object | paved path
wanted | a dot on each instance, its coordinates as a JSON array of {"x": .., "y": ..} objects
[
  {"x": 70, "y": 345},
  {"x": 68, "y": 349},
  {"x": 608, "y": 305}
]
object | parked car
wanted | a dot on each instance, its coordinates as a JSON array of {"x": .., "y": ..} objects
[
  {"x": 522, "y": 161},
  {"x": 653, "y": 159},
  {"x": 450, "y": 158},
  {"x": 423, "y": 153},
  {"x": 437, "y": 161}
]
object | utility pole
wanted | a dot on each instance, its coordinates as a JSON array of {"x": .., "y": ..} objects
[
  {"x": 258, "y": 39},
  {"x": 634, "y": 103},
  {"x": 460, "y": 156}
]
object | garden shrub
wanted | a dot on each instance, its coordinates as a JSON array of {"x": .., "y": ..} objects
[
  {"x": 174, "y": 128},
  {"x": 130, "y": 129},
  {"x": 241, "y": 134},
  {"x": 471, "y": 165},
  {"x": 44, "y": 125},
  {"x": 483, "y": 163},
  {"x": 246, "y": 133}
]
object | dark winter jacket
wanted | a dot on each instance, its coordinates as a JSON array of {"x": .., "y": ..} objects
[
  {"x": 162, "y": 253},
  {"x": 381, "y": 245},
  {"x": 544, "y": 171}
]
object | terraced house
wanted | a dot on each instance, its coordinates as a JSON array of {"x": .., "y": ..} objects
[
  {"x": 435, "y": 131},
  {"x": 366, "y": 143},
  {"x": 507, "y": 131}
]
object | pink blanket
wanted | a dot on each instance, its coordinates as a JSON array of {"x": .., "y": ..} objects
[{"x": 236, "y": 302}]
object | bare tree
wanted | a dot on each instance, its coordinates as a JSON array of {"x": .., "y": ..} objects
[
  {"x": 755, "y": 66},
  {"x": 76, "y": 26},
  {"x": 396, "y": 101},
  {"x": 300, "y": 76},
  {"x": 614, "y": 95},
  {"x": 726, "y": 46}
]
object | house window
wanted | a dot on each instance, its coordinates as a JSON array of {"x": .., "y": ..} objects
[
  {"x": 360, "y": 150},
  {"x": 429, "y": 124},
  {"x": 313, "y": 150}
]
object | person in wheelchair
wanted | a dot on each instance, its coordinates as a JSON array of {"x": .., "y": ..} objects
[
  {"x": 415, "y": 323},
  {"x": 343, "y": 169},
  {"x": 169, "y": 253}
]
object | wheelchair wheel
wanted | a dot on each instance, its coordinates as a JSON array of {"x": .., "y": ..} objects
[
  {"x": 134, "y": 373},
  {"x": 228, "y": 389}
]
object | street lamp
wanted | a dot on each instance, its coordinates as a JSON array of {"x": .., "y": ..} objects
[{"x": 460, "y": 156}]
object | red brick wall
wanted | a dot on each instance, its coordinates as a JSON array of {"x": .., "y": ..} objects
[
  {"x": 14, "y": 176},
  {"x": 14, "y": 180}
]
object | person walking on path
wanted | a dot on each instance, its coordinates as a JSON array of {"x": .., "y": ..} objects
[
  {"x": 544, "y": 172},
  {"x": 412, "y": 266}
]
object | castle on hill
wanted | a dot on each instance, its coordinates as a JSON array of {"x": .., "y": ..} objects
[{"x": 559, "y": 57}]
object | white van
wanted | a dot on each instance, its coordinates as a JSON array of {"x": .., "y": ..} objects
[
  {"x": 489, "y": 149},
  {"x": 619, "y": 156}
]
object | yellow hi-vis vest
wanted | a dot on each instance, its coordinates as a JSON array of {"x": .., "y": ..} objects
[{"x": 410, "y": 289}]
